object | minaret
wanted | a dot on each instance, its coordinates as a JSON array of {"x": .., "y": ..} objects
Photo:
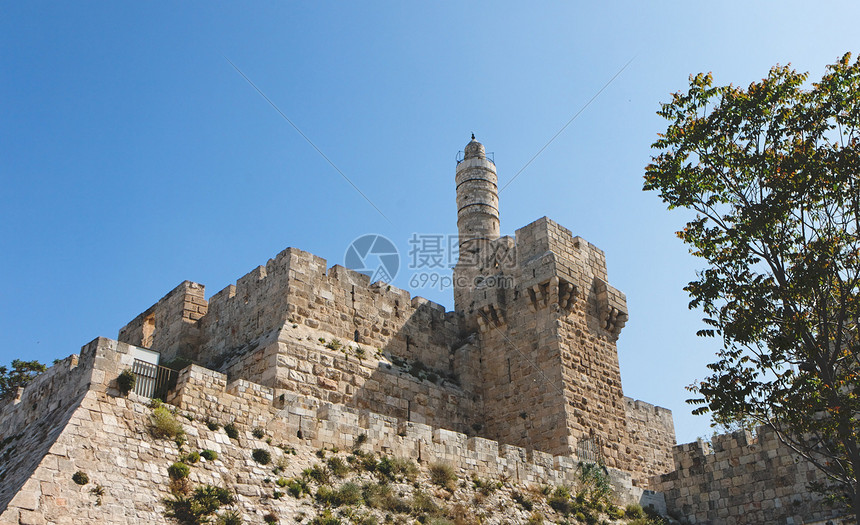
[{"x": 477, "y": 218}]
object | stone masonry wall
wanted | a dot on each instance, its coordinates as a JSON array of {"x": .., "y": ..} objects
[
  {"x": 206, "y": 394},
  {"x": 32, "y": 422},
  {"x": 592, "y": 380},
  {"x": 170, "y": 325},
  {"x": 739, "y": 480},
  {"x": 249, "y": 330},
  {"x": 255, "y": 308},
  {"x": 530, "y": 361},
  {"x": 107, "y": 436},
  {"x": 548, "y": 358},
  {"x": 649, "y": 439},
  {"x": 357, "y": 376},
  {"x": 295, "y": 288},
  {"x": 590, "y": 315},
  {"x": 517, "y": 316},
  {"x": 345, "y": 304},
  {"x": 523, "y": 388}
]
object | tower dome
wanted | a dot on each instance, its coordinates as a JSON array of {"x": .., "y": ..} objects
[{"x": 474, "y": 149}]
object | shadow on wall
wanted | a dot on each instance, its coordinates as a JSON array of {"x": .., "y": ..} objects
[
  {"x": 411, "y": 379},
  {"x": 365, "y": 346}
]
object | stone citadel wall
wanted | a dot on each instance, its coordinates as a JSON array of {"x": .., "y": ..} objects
[
  {"x": 331, "y": 334},
  {"x": 519, "y": 382},
  {"x": 530, "y": 360},
  {"x": 528, "y": 357},
  {"x": 106, "y": 436},
  {"x": 739, "y": 479}
]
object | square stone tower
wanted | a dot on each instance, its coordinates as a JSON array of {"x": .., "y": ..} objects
[{"x": 546, "y": 321}]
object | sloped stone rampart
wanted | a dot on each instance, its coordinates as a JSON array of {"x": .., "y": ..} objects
[
  {"x": 107, "y": 436},
  {"x": 34, "y": 420}
]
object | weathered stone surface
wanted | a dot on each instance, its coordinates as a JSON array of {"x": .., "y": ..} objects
[
  {"x": 738, "y": 478},
  {"x": 129, "y": 466}
]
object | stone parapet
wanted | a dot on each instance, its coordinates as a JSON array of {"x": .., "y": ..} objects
[{"x": 650, "y": 438}]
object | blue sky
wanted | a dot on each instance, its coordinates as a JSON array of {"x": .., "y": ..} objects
[{"x": 133, "y": 156}]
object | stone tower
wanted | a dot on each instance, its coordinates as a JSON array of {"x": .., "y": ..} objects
[
  {"x": 477, "y": 218},
  {"x": 545, "y": 321}
]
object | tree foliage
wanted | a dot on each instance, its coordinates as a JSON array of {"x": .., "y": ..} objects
[
  {"x": 772, "y": 173},
  {"x": 22, "y": 373}
]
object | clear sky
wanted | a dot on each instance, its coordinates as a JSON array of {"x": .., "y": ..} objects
[{"x": 133, "y": 156}]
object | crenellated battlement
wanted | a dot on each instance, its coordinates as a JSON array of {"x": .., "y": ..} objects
[
  {"x": 300, "y": 419},
  {"x": 543, "y": 266},
  {"x": 293, "y": 287}
]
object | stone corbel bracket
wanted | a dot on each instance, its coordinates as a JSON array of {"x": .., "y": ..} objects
[
  {"x": 567, "y": 294},
  {"x": 553, "y": 292},
  {"x": 490, "y": 316},
  {"x": 538, "y": 295},
  {"x": 612, "y": 307}
]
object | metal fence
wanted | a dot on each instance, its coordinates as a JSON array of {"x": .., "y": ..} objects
[{"x": 152, "y": 381}]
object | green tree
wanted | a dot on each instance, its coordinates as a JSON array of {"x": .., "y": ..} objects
[
  {"x": 22, "y": 373},
  {"x": 771, "y": 174}
]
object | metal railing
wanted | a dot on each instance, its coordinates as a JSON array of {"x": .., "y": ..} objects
[
  {"x": 152, "y": 381},
  {"x": 461, "y": 156}
]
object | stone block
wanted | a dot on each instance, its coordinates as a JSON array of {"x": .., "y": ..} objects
[
  {"x": 26, "y": 500},
  {"x": 32, "y": 518}
]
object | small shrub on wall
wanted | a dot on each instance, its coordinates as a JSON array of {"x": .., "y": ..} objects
[
  {"x": 80, "y": 477},
  {"x": 165, "y": 425},
  {"x": 261, "y": 456},
  {"x": 125, "y": 381}
]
